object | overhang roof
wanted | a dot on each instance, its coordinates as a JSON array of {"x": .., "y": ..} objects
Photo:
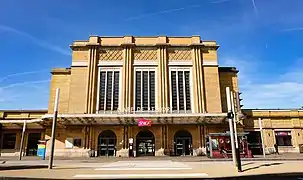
[{"x": 119, "y": 119}]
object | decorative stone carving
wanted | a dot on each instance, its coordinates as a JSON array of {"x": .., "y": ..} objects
[
  {"x": 179, "y": 54},
  {"x": 108, "y": 54},
  {"x": 145, "y": 54}
]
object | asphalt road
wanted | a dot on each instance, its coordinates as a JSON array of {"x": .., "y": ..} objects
[
  {"x": 288, "y": 176},
  {"x": 160, "y": 169}
]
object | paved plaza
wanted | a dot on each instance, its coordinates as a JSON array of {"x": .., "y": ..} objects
[{"x": 138, "y": 169}]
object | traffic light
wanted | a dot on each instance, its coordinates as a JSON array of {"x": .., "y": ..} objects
[{"x": 238, "y": 100}]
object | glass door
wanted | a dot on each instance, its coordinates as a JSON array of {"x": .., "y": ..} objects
[
  {"x": 145, "y": 148},
  {"x": 183, "y": 146},
  {"x": 107, "y": 147},
  {"x": 180, "y": 147}
]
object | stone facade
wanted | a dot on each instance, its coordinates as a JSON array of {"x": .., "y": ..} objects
[
  {"x": 273, "y": 121},
  {"x": 79, "y": 93}
]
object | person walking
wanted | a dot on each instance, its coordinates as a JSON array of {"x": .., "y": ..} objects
[{"x": 276, "y": 149}]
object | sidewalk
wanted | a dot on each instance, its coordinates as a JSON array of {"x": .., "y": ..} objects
[
  {"x": 272, "y": 157},
  {"x": 156, "y": 169}
]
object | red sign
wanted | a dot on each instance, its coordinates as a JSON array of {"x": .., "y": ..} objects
[
  {"x": 283, "y": 133},
  {"x": 144, "y": 122}
]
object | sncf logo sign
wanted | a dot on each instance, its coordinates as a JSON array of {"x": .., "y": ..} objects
[{"x": 144, "y": 122}]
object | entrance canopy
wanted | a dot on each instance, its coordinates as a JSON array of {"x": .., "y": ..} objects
[
  {"x": 118, "y": 119},
  {"x": 131, "y": 119},
  {"x": 19, "y": 123}
]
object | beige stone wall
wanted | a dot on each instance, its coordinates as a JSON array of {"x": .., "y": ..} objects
[
  {"x": 78, "y": 88},
  {"x": 212, "y": 90},
  {"x": 80, "y": 55},
  {"x": 269, "y": 138},
  {"x": 61, "y": 135},
  {"x": 161, "y": 48},
  {"x": 60, "y": 80},
  {"x": 227, "y": 79},
  {"x": 210, "y": 55},
  {"x": 276, "y": 120}
]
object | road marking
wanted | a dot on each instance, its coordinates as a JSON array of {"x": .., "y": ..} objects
[
  {"x": 142, "y": 168},
  {"x": 176, "y": 175}
]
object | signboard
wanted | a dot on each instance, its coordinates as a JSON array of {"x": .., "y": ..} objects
[
  {"x": 41, "y": 151},
  {"x": 283, "y": 133},
  {"x": 132, "y": 110},
  {"x": 144, "y": 122},
  {"x": 69, "y": 143}
]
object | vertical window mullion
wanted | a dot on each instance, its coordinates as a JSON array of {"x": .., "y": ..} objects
[
  {"x": 141, "y": 90},
  {"x": 112, "y": 98},
  {"x": 148, "y": 97},
  {"x": 170, "y": 92},
  {"x": 152, "y": 89},
  {"x": 105, "y": 94},
  {"x": 102, "y": 90},
  {"x": 177, "y": 85},
  {"x": 116, "y": 91},
  {"x": 135, "y": 92},
  {"x": 188, "y": 89},
  {"x": 184, "y": 91}
]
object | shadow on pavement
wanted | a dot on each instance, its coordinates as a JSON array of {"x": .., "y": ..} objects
[
  {"x": 294, "y": 176},
  {"x": 2, "y": 168},
  {"x": 244, "y": 164},
  {"x": 263, "y": 165}
]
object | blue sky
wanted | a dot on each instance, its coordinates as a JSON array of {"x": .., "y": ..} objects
[{"x": 262, "y": 38}]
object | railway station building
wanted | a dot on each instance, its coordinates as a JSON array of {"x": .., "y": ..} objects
[{"x": 162, "y": 94}]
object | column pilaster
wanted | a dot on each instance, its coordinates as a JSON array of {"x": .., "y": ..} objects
[
  {"x": 198, "y": 82},
  {"x": 162, "y": 80},
  {"x": 127, "y": 77},
  {"x": 92, "y": 80}
]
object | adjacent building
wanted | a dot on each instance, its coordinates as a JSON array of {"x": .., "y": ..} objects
[{"x": 155, "y": 95}]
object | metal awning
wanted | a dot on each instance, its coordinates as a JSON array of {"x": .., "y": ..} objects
[
  {"x": 131, "y": 118},
  {"x": 18, "y": 123},
  {"x": 120, "y": 119}
]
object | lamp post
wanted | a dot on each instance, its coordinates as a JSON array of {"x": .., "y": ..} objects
[
  {"x": 236, "y": 135},
  {"x": 230, "y": 120},
  {"x": 50, "y": 165},
  {"x": 22, "y": 140},
  {"x": 261, "y": 133}
]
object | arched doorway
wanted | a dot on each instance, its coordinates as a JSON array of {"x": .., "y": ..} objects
[
  {"x": 183, "y": 143},
  {"x": 107, "y": 143},
  {"x": 145, "y": 143}
]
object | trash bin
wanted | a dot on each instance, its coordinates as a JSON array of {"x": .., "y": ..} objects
[{"x": 301, "y": 148}]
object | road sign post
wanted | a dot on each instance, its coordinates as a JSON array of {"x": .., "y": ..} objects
[
  {"x": 22, "y": 141},
  {"x": 50, "y": 165},
  {"x": 230, "y": 120}
]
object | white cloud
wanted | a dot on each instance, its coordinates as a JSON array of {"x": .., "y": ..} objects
[
  {"x": 273, "y": 95},
  {"x": 22, "y": 73},
  {"x": 284, "y": 91},
  {"x": 25, "y": 95},
  {"x": 162, "y": 12},
  {"x": 35, "y": 40}
]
